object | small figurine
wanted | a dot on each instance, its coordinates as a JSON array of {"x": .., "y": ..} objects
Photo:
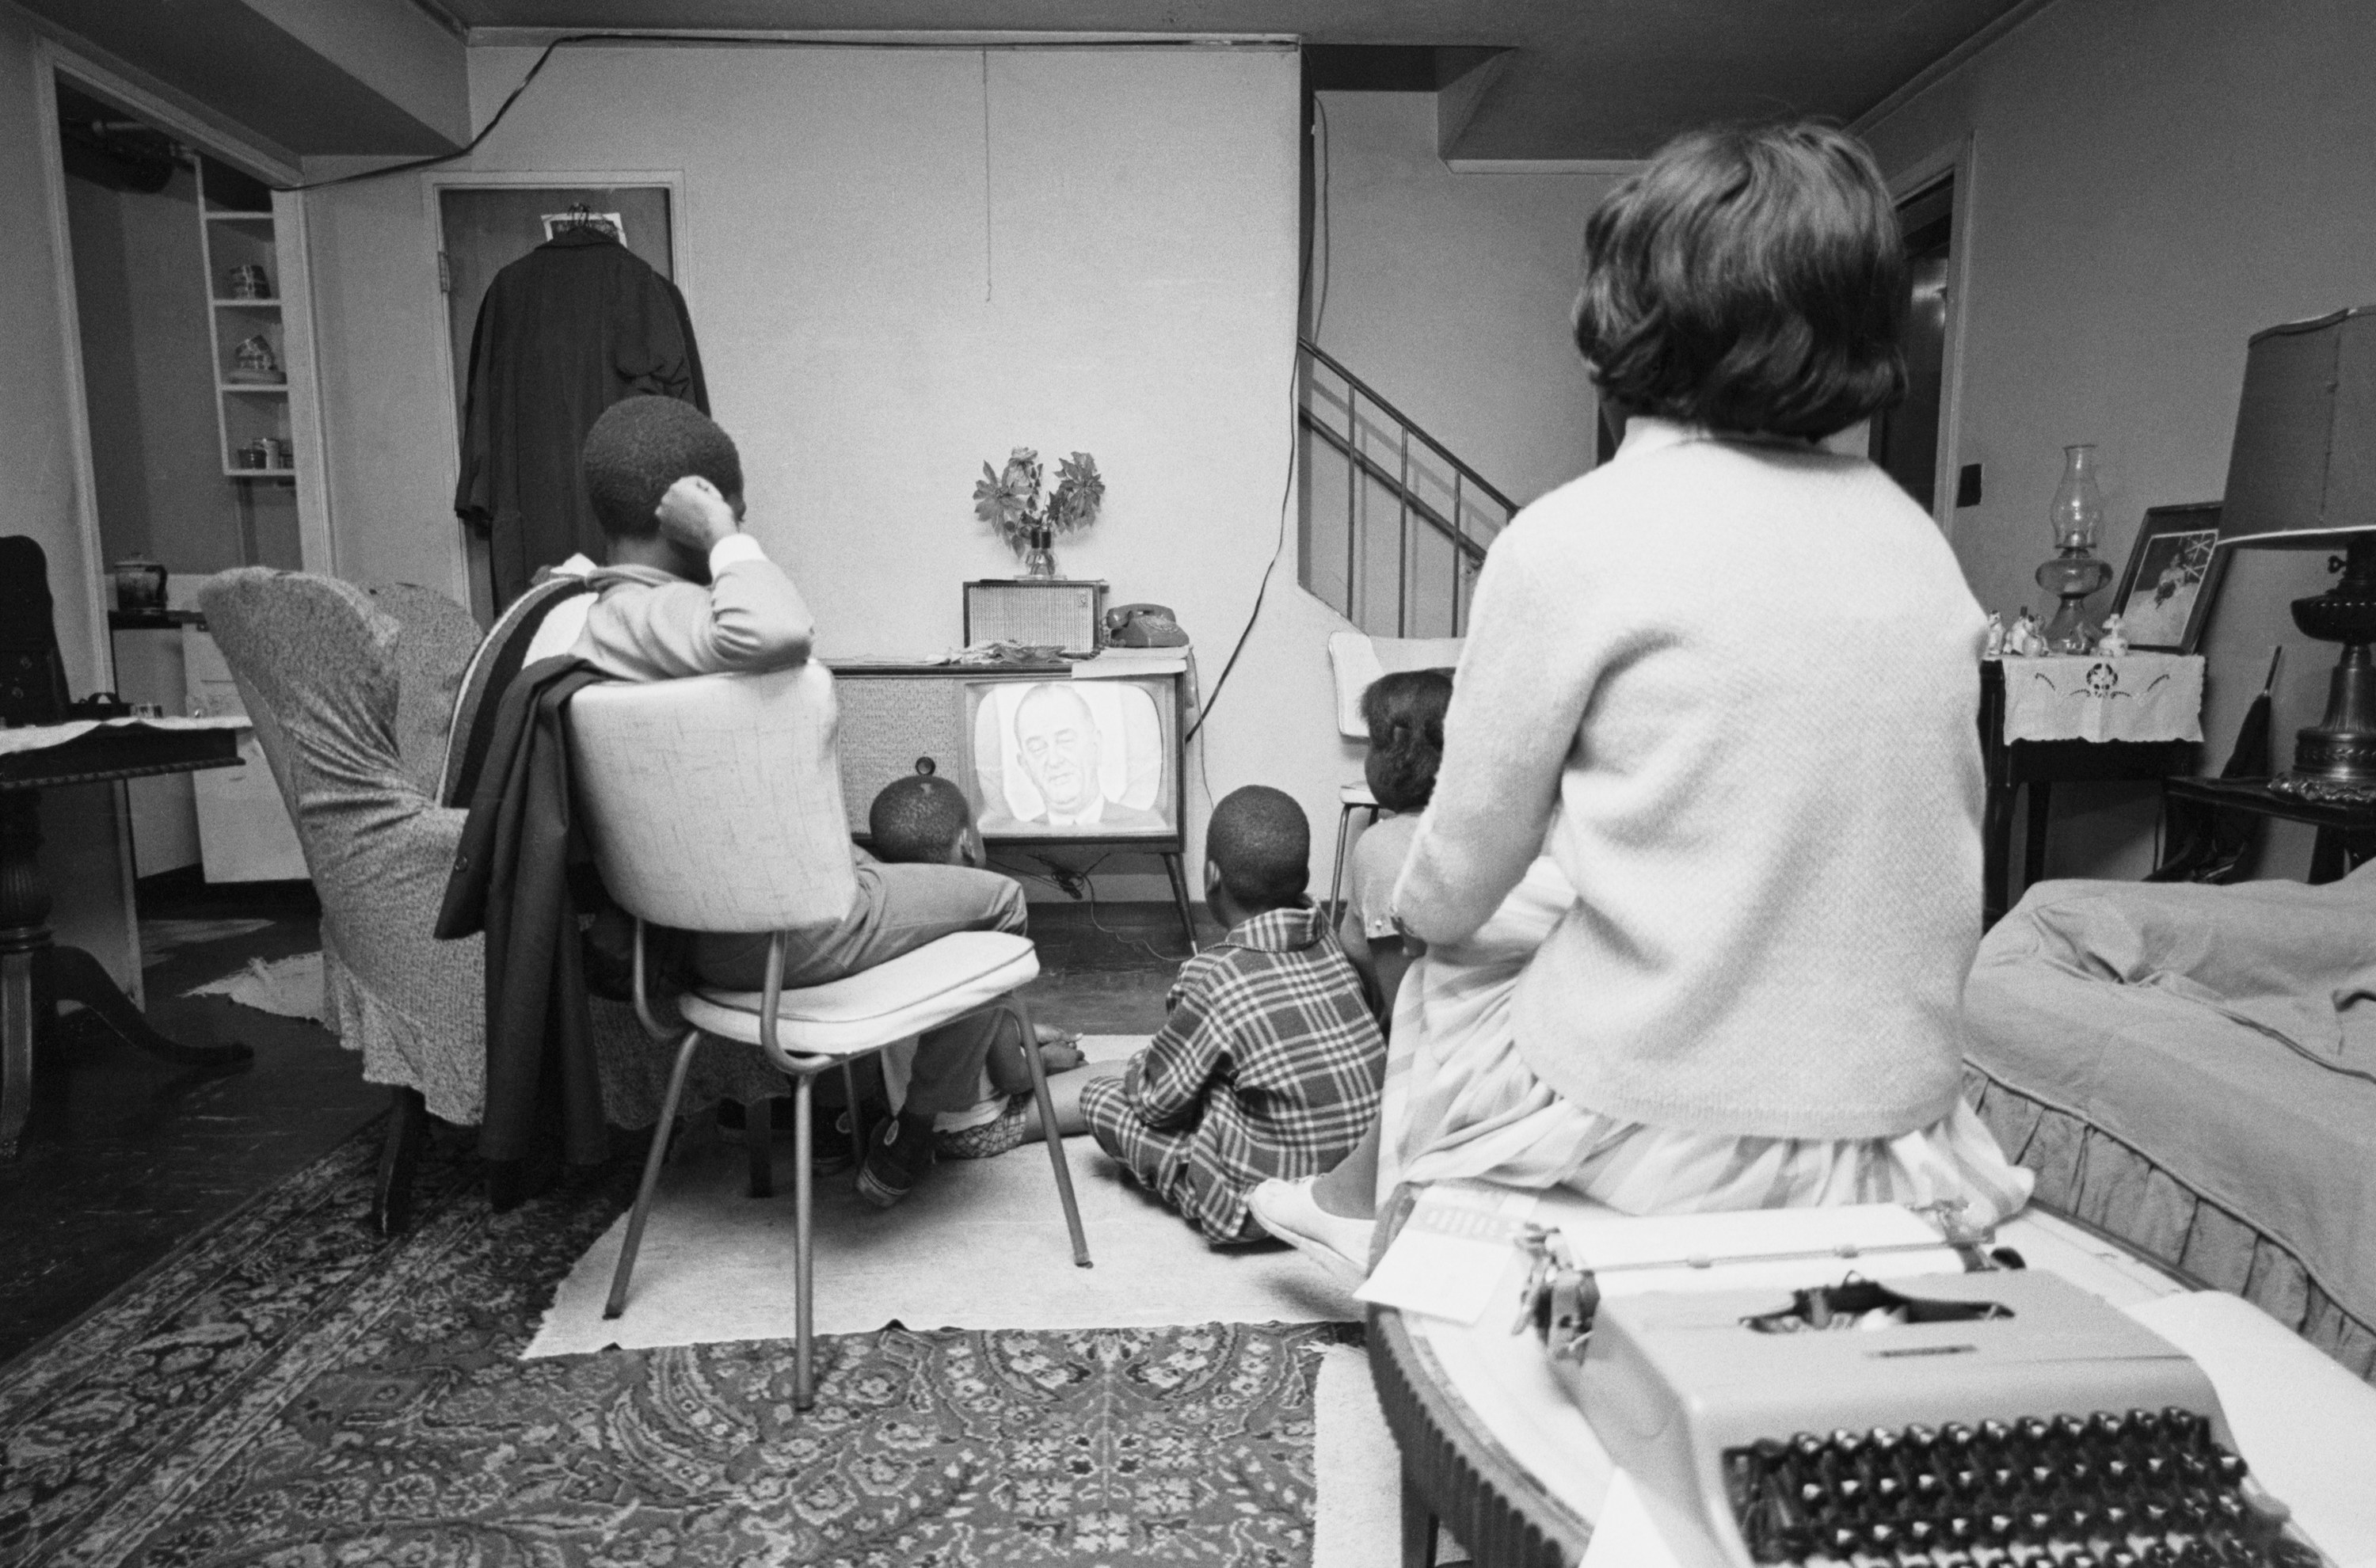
[
  {"x": 1993, "y": 646},
  {"x": 2115, "y": 639},
  {"x": 2024, "y": 641}
]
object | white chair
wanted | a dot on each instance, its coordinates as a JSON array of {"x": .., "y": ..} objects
[
  {"x": 715, "y": 804},
  {"x": 1357, "y": 660}
]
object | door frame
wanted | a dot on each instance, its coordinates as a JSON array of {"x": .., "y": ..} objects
[
  {"x": 1955, "y": 161},
  {"x": 434, "y": 183},
  {"x": 51, "y": 59}
]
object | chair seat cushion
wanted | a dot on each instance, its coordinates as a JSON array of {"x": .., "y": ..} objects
[
  {"x": 939, "y": 981},
  {"x": 1356, "y": 795}
]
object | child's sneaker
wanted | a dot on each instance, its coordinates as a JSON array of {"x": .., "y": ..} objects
[
  {"x": 896, "y": 1157},
  {"x": 832, "y": 1150},
  {"x": 990, "y": 1139}
]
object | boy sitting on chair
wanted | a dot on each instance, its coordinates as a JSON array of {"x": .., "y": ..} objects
[
  {"x": 686, "y": 592},
  {"x": 1270, "y": 1063}
]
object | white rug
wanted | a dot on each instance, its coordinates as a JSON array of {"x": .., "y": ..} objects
[
  {"x": 289, "y": 988},
  {"x": 1357, "y": 1474},
  {"x": 979, "y": 1244}
]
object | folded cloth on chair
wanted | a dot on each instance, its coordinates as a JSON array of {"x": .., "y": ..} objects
[{"x": 511, "y": 879}]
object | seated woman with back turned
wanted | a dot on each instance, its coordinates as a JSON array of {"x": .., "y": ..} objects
[{"x": 1725, "y": 682}]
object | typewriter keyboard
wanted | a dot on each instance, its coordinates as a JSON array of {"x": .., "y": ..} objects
[{"x": 2070, "y": 1492}]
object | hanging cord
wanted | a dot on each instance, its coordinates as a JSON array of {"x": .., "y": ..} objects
[
  {"x": 1313, "y": 245},
  {"x": 1087, "y": 891},
  {"x": 713, "y": 41}
]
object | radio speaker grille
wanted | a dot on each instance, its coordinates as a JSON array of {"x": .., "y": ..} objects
[{"x": 1047, "y": 615}]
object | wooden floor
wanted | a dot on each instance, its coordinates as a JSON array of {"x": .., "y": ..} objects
[{"x": 126, "y": 1158}]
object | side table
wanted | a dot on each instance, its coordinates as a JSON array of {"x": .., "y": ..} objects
[
  {"x": 2347, "y": 834},
  {"x": 35, "y": 972},
  {"x": 2010, "y": 764}
]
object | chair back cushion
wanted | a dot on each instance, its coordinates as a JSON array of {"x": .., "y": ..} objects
[
  {"x": 1358, "y": 660},
  {"x": 435, "y": 638},
  {"x": 714, "y": 803},
  {"x": 33, "y": 673}
]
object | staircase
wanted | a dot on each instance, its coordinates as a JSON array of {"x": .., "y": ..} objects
[{"x": 1394, "y": 526}]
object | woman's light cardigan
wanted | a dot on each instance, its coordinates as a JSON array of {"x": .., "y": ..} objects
[{"x": 1746, "y": 674}]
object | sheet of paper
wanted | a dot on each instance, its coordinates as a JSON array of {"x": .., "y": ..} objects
[
  {"x": 1450, "y": 1254},
  {"x": 1754, "y": 1248},
  {"x": 1625, "y": 1536}
]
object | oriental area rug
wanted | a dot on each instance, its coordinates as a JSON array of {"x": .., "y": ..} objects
[{"x": 290, "y": 1389}]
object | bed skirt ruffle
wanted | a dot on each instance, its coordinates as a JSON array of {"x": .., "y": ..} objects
[{"x": 2095, "y": 1177}]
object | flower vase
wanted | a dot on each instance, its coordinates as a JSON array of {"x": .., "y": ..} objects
[{"x": 1039, "y": 561}]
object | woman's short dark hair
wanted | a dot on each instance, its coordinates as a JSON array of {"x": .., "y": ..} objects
[
  {"x": 1405, "y": 713},
  {"x": 639, "y": 448},
  {"x": 1748, "y": 279}
]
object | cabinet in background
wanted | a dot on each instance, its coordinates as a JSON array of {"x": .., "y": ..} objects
[{"x": 244, "y": 833}]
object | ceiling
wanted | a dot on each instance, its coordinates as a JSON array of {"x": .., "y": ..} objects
[{"x": 1535, "y": 78}]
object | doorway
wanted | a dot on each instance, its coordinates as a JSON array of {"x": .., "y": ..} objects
[
  {"x": 1904, "y": 438},
  {"x": 482, "y": 230}
]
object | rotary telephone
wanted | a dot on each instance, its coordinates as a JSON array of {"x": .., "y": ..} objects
[{"x": 1143, "y": 625}]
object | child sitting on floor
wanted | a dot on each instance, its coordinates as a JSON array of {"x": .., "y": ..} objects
[
  {"x": 1269, "y": 1064},
  {"x": 922, "y": 819},
  {"x": 1404, "y": 711}
]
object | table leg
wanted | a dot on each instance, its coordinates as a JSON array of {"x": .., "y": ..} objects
[
  {"x": 24, "y": 932},
  {"x": 1180, "y": 895},
  {"x": 2033, "y": 844},
  {"x": 1418, "y": 1526},
  {"x": 1996, "y": 852},
  {"x": 15, "y": 1049},
  {"x": 75, "y": 976}
]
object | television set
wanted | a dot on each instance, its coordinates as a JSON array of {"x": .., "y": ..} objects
[{"x": 1065, "y": 759}]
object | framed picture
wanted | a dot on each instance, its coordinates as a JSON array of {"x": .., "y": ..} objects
[{"x": 2165, "y": 597}]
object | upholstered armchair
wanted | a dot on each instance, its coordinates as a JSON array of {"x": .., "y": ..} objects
[{"x": 323, "y": 671}]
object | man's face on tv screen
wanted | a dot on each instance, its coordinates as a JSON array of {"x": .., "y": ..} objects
[{"x": 1058, "y": 741}]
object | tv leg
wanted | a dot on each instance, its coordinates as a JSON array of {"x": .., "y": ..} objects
[{"x": 1179, "y": 875}]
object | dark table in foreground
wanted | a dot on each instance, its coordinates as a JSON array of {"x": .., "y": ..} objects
[{"x": 35, "y": 974}]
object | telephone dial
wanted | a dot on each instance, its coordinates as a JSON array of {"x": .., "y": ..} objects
[{"x": 1143, "y": 625}]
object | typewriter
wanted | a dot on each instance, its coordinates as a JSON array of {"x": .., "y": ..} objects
[{"x": 1971, "y": 1419}]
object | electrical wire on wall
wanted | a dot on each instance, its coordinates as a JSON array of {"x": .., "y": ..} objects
[
  {"x": 1314, "y": 246},
  {"x": 727, "y": 41}
]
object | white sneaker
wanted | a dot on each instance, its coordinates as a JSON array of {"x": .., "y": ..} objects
[{"x": 1288, "y": 1211}]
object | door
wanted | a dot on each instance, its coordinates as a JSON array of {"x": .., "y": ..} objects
[
  {"x": 482, "y": 230},
  {"x": 1906, "y": 438}
]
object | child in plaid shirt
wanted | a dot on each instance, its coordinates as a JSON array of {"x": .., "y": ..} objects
[{"x": 1269, "y": 1064}]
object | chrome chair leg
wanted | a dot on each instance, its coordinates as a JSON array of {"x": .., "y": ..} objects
[
  {"x": 652, "y": 1161},
  {"x": 857, "y": 1111},
  {"x": 803, "y": 1274},
  {"x": 1020, "y": 1011}
]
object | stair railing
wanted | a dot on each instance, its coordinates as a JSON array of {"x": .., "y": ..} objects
[{"x": 1442, "y": 507}]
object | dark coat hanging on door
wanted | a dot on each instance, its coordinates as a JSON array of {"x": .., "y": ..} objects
[{"x": 570, "y": 329}]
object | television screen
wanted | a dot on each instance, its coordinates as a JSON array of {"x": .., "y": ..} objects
[{"x": 1073, "y": 759}]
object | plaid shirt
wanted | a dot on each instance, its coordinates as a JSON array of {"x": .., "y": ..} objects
[{"x": 1269, "y": 1066}]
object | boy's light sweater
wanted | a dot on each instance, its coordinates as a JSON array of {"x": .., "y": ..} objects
[
  {"x": 1747, "y": 674},
  {"x": 648, "y": 625}
]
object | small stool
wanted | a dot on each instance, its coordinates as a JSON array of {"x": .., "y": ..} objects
[{"x": 1351, "y": 797}]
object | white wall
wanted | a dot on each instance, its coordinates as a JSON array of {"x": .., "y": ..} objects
[
  {"x": 885, "y": 299},
  {"x": 1449, "y": 294},
  {"x": 2156, "y": 181}
]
